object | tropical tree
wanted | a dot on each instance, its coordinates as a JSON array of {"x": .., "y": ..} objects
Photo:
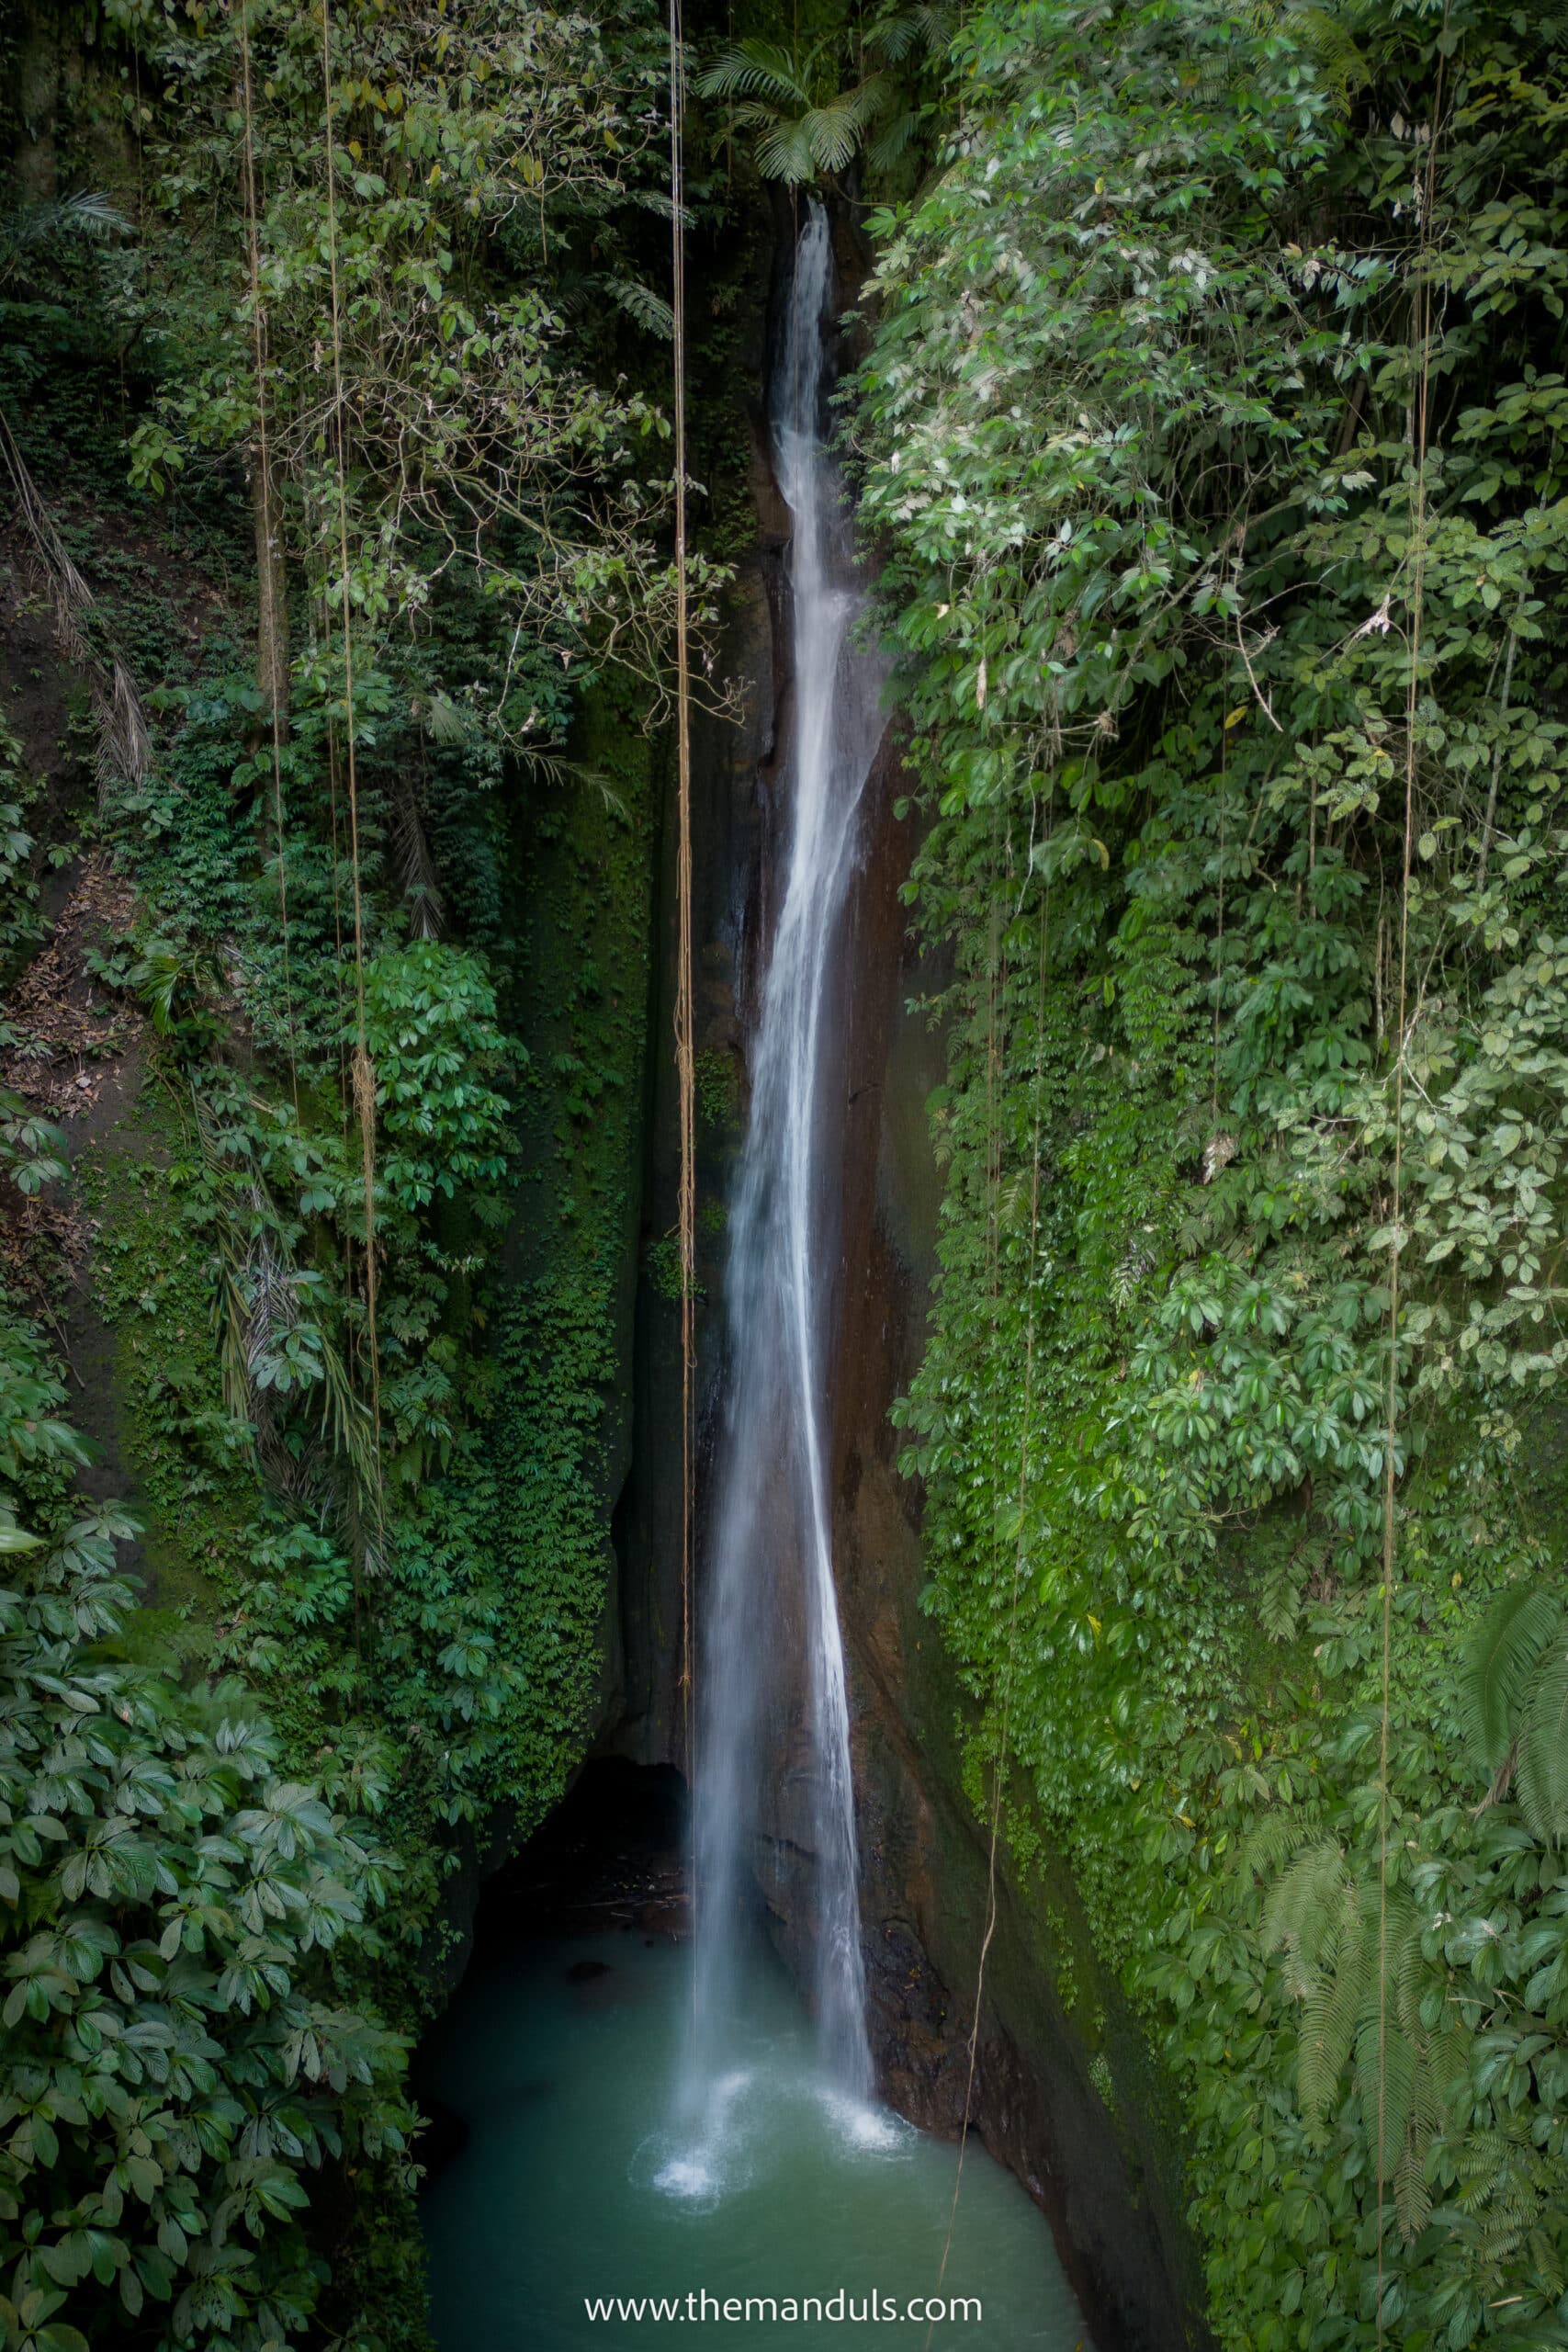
[{"x": 808, "y": 126}]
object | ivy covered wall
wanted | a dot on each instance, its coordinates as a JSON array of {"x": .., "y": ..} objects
[{"x": 1211, "y": 428}]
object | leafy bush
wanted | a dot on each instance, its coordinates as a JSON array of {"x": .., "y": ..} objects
[
  {"x": 429, "y": 1024},
  {"x": 176, "y": 2061}
]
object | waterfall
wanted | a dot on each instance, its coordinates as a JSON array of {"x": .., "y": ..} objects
[{"x": 770, "y": 1615}]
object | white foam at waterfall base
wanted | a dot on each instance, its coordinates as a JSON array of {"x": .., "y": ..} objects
[
  {"x": 769, "y": 1612},
  {"x": 726, "y": 2146},
  {"x": 701, "y": 2161}
]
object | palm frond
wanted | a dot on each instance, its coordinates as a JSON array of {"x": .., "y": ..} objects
[
  {"x": 257, "y": 1303},
  {"x": 32, "y": 228},
  {"x": 805, "y": 126},
  {"x": 563, "y": 770},
  {"x": 906, "y": 33},
  {"x": 416, "y": 865},
  {"x": 125, "y": 745},
  {"x": 446, "y": 722},
  {"x": 784, "y": 153},
  {"x": 889, "y": 145},
  {"x": 756, "y": 69},
  {"x": 833, "y": 132}
]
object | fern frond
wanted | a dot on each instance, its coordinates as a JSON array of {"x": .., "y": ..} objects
[
  {"x": 657, "y": 200},
  {"x": 1450, "y": 2056},
  {"x": 1333, "y": 2006},
  {"x": 1305, "y": 1907},
  {"x": 1279, "y": 1604},
  {"x": 1411, "y": 1972},
  {"x": 1395, "y": 2058},
  {"x": 1411, "y": 2197},
  {"x": 1268, "y": 1844},
  {"x": 1483, "y": 2163},
  {"x": 1322, "y": 34},
  {"x": 1500, "y": 1665},
  {"x": 650, "y": 310},
  {"x": 1543, "y": 1750}
]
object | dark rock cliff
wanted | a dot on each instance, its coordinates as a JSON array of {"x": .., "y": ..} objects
[{"x": 1065, "y": 2091}]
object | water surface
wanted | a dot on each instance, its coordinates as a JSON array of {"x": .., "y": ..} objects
[{"x": 559, "y": 2057}]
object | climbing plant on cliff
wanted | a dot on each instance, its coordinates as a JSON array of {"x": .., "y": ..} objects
[{"x": 1211, "y": 423}]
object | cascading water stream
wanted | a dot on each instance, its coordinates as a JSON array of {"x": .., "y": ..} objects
[
  {"x": 773, "y": 1623},
  {"x": 777, "y": 2175}
]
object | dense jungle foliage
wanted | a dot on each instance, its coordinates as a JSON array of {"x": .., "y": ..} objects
[
  {"x": 1213, "y": 436},
  {"x": 1209, "y": 440},
  {"x": 333, "y": 368}
]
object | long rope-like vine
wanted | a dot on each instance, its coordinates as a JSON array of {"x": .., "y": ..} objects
[
  {"x": 364, "y": 1075},
  {"x": 684, "y": 1016},
  {"x": 264, "y": 460}
]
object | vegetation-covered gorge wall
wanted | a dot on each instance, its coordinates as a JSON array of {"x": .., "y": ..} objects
[
  {"x": 1213, "y": 424},
  {"x": 1108, "y": 2172},
  {"x": 327, "y": 970}
]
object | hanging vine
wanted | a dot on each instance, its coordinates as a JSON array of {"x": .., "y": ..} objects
[
  {"x": 362, "y": 1069},
  {"x": 1422, "y": 314},
  {"x": 271, "y": 588},
  {"x": 684, "y": 1017}
]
